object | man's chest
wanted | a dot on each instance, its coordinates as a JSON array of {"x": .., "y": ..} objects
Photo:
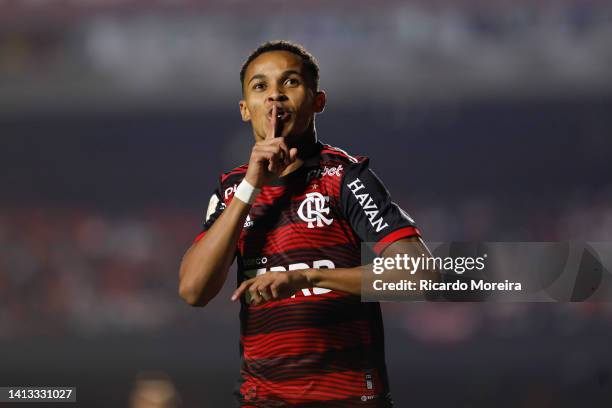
[{"x": 309, "y": 204}]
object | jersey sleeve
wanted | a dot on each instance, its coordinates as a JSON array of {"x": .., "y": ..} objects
[
  {"x": 213, "y": 211},
  {"x": 368, "y": 207}
]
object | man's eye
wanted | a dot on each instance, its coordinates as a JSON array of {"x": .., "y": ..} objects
[
  {"x": 259, "y": 86},
  {"x": 292, "y": 81}
]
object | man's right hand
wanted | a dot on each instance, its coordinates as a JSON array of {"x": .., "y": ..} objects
[{"x": 270, "y": 157}]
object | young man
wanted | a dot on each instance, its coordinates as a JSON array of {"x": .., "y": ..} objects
[{"x": 295, "y": 217}]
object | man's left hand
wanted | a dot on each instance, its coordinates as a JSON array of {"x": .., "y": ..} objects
[{"x": 273, "y": 286}]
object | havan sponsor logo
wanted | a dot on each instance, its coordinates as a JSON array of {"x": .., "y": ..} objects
[{"x": 369, "y": 206}]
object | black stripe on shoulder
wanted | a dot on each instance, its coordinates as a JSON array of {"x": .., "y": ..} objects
[
  {"x": 235, "y": 174},
  {"x": 336, "y": 154}
]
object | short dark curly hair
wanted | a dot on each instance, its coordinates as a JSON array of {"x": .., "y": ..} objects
[{"x": 308, "y": 60}]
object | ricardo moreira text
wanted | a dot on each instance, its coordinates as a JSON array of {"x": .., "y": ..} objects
[{"x": 459, "y": 265}]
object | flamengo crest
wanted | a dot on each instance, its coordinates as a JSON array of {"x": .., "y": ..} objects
[{"x": 313, "y": 209}]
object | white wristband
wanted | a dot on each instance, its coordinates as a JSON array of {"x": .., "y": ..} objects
[{"x": 246, "y": 193}]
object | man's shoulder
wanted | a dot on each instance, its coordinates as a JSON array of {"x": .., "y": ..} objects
[
  {"x": 335, "y": 155},
  {"x": 234, "y": 175}
]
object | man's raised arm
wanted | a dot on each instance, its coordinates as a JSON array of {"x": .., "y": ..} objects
[{"x": 205, "y": 265}]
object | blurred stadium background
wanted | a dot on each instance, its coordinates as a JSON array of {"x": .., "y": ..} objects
[{"x": 487, "y": 120}]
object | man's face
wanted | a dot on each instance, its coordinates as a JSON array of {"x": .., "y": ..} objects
[{"x": 278, "y": 78}]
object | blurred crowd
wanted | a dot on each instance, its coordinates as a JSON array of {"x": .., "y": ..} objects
[
  {"x": 73, "y": 270},
  {"x": 86, "y": 55}
]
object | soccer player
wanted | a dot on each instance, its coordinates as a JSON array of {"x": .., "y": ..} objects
[{"x": 294, "y": 217}]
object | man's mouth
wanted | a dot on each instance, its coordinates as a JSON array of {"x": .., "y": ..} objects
[{"x": 281, "y": 114}]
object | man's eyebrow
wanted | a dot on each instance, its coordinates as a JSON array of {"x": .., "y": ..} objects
[
  {"x": 291, "y": 71},
  {"x": 257, "y": 76},
  {"x": 284, "y": 74}
]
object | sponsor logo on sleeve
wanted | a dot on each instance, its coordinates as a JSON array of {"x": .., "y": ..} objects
[
  {"x": 368, "y": 205},
  {"x": 212, "y": 207},
  {"x": 230, "y": 191}
]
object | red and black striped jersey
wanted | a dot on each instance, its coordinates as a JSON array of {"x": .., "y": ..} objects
[{"x": 319, "y": 347}]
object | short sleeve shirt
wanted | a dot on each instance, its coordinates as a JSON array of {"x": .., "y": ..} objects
[{"x": 320, "y": 346}]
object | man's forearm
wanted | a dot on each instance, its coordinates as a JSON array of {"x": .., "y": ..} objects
[
  {"x": 349, "y": 279},
  {"x": 204, "y": 267},
  {"x": 343, "y": 279}
]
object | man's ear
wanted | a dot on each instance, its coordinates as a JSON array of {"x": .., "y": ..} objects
[
  {"x": 319, "y": 101},
  {"x": 244, "y": 111}
]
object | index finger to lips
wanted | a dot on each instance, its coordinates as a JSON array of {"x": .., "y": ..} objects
[
  {"x": 272, "y": 130},
  {"x": 278, "y": 127},
  {"x": 284, "y": 150}
]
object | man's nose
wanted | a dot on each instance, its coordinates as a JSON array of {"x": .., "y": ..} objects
[{"x": 276, "y": 94}]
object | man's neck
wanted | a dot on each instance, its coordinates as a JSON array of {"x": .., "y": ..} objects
[
  {"x": 306, "y": 146},
  {"x": 292, "y": 167}
]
